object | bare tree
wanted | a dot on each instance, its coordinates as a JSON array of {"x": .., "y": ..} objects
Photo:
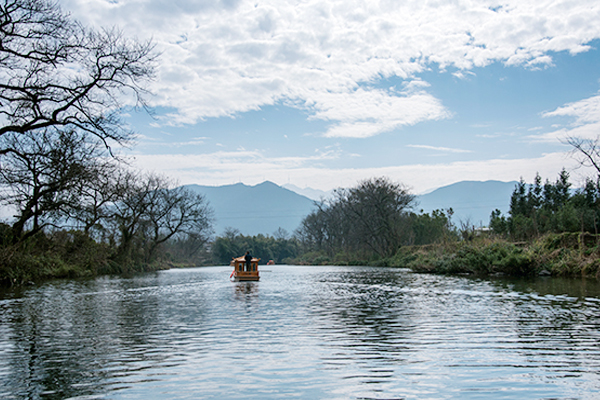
[
  {"x": 376, "y": 208},
  {"x": 586, "y": 151},
  {"x": 177, "y": 212},
  {"x": 96, "y": 197},
  {"x": 56, "y": 73},
  {"x": 41, "y": 174},
  {"x": 151, "y": 211},
  {"x": 62, "y": 91},
  {"x": 135, "y": 198},
  {"x": 371, "y": 217}
]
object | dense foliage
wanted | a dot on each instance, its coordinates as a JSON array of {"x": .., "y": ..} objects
[
  {"x": 280, "y": 248},
  {"x": 77, "y": 209},
  {"x": 566, "y": 254},
  {"x": 369, "y": 221},
  {"x": 539, "y": 209}
]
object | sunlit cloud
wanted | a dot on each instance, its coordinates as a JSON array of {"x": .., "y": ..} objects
[
  {"x": 253, "y": 167},
  {"x": 367, "y": 113},
  {"x": 586, "y": 121},
  {"x": 436, "y": 148},
  {"x": 584, "y": 111},
  {"x": 220, "y": 59}
]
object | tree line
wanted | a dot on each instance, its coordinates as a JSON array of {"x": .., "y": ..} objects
[
  {"x": 281, "y": 247},
  {"x": 63, "y": 91},
  {"x": 552, "y": 207},
  {"x": 377, "y": 218},
  {"x": 372, "y": 220}
]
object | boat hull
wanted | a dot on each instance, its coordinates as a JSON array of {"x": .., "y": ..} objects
[
  {"x": 246, "y": 276},
  {"x": 244, "y": 272}
]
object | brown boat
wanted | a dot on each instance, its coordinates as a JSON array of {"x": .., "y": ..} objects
[{"x": 241, "y": 272}]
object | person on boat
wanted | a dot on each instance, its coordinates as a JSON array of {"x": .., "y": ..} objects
[{"x": 248, "y": 259}]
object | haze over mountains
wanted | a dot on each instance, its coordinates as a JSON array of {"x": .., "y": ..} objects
[
  {"x": 471, "y": 201},
  {"x": 266, "y": 207},
  {"x": 263, "y": 208},
  {"x": 313, "y": 194}
]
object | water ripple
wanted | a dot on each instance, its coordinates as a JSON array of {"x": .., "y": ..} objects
[{"x": 306, "y": 332}]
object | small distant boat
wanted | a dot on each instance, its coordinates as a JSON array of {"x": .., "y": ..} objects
[
  {"x": 271, "y": 262},
  {"x": 240, "y": 272}
]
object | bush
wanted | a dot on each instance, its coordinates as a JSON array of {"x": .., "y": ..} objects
[
  {"x": 61, "y": 254},
  {"x": 480, "y": 258}
]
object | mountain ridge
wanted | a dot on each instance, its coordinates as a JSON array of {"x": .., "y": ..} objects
[
  {"x": 253, "y": 210},
  {"x": 313, "y": 194},
  {"x": 471, "y": 201},
  {"x": 265, "y": 207}
]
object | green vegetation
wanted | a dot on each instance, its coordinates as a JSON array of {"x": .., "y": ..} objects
[
  {"x": 78, "y": 210},
  {"x": 566, "y": 254},
  {"x": 550, "y": 230},
  {"x": 280, "y": 248},
  {"x": 552, "y": 208}
]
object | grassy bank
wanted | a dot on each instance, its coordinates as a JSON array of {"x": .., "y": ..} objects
[
  {"x": 63, "y": 254},
  {"x": 71, "y": 254},
  {"x": 567, "y": 254}
]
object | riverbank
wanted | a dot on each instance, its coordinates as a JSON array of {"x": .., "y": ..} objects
[
  {"x": 74, "y": 255},
  {"x": 64, "y": 254},
  {"x": 566, "y": 254}
]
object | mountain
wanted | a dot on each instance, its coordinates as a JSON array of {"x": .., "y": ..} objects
[
  {"x": 472, "y": 201},
  {"x": 313, "y": 194},
  {"x": 266, "y": 207},
  {"x": 262, "y": 208}
]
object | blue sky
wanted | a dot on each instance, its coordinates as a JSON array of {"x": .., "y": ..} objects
[{"x": 323, "y": 94}]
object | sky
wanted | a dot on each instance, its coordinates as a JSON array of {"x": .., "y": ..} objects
[{"x": 323, "y": 94}]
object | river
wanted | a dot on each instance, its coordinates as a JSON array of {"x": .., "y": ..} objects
[{"x": 301, "y": 332}]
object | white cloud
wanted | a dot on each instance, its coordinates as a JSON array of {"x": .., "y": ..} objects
[
  {"x": 587, "y": 131},
  {"x": 586, "y": 125},
  {"x": 462, "y": 74},
  {"x": 444, "y": 149},
  {"x": 585, "y": 111},
  {"x": 367, "y": 113},
  {"x": 220, "y": 58},
  {"x": 252, "y": 167}
]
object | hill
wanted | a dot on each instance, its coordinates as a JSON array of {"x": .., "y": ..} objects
[
  {"x": 472, "y": 201},
  {"x": 313, "y": 194},
  {"x": 266, "y": 207},
  {"x": 263, "y": 208}
]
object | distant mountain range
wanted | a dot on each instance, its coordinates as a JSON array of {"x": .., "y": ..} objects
[
  {"x": 266, "y": 207},
  {"x": 471, "y": 201},
  {"x": 313, "y": 194},
  {"x": 263, "y": 208}
]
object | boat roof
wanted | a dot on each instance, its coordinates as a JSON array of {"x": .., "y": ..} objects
[{"x": 243, "y": 259}]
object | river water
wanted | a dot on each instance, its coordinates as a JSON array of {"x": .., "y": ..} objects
[{"x": 301, "y": 332}]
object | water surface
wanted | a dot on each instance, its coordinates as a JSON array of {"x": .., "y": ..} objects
[{"x": 301, "y": 332}]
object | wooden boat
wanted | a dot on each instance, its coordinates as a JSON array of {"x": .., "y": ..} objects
[{"x": 239, "y": 269}]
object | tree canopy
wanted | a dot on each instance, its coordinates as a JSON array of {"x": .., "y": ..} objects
[
  {"x": 373, "y": 218},
  {"x": 63, "y": 90},
  {"x": 57, "y": 74},
  {"x": 550, "y": 208}
]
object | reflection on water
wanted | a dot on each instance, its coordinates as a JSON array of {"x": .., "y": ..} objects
[{"x": 304, "y": 332}]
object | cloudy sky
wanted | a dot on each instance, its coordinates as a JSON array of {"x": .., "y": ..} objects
[{"x": 324, "y": 93}]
